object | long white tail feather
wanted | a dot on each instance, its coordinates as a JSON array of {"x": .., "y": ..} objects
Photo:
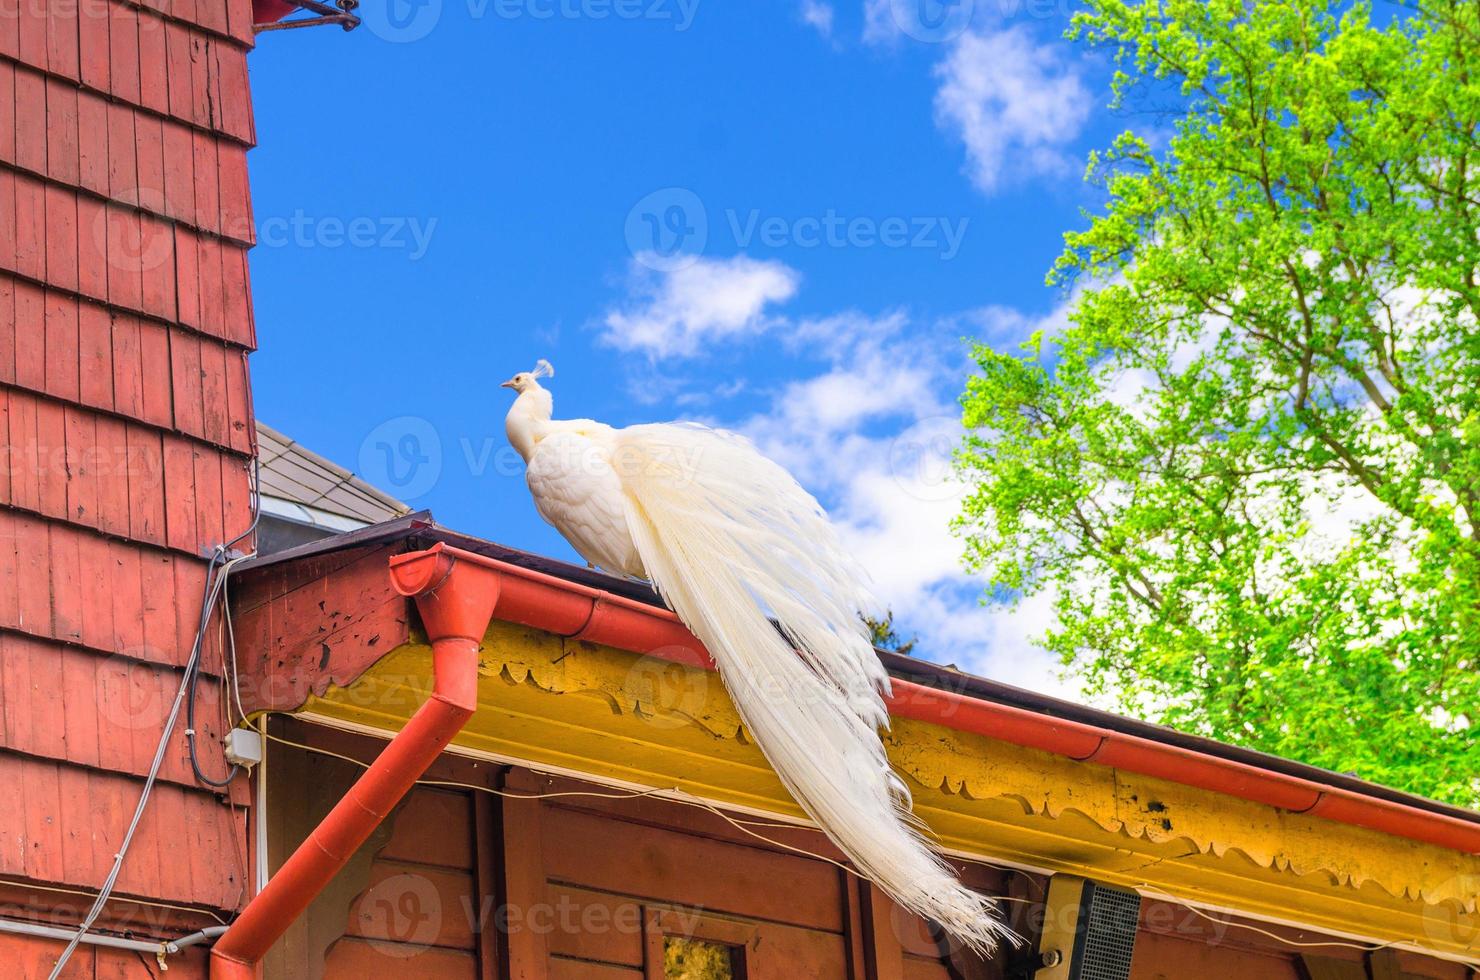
[{"x": 731, "y": 540}]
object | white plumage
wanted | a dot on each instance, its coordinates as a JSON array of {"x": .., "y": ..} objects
[{"x": 731, "y": 542}]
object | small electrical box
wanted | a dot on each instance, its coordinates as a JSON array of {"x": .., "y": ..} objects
[
  {"x": 243, "y": 747},
  {"x": 1089, "y": 931}
]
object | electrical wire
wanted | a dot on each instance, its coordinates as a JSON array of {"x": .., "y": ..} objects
[
  {"x": 671, "y": 795},
  {"x": 219, "y": 567}
]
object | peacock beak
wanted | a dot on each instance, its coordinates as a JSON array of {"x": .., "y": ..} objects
[{"x": 507, "y": 384}]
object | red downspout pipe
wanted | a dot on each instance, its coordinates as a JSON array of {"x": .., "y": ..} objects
[{"x": 456, "y": 601}]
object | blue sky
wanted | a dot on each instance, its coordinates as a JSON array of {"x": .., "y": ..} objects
[{"x": 781, "y": 216}]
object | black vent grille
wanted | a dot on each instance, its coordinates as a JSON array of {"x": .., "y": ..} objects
[{"x": 1107, "y": 934}]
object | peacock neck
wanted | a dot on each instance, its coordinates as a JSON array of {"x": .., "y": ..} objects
[{"x": 528, "y": 420}]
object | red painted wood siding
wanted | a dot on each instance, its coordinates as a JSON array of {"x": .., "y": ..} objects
[{"x": 127, "y": 434}]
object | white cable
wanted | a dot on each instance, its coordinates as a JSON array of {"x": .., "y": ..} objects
[{"x": 216, "y": 577}]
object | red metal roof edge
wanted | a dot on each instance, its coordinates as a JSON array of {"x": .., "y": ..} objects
[
  {"x": 271, "y": 11},
  {"x": 582, "y": 612}
]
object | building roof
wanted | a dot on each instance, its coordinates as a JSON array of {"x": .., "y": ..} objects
[
  {"x": 588, "y": 675},
  {"x": 419, "y": 530},
  {"x": 299, "y": 485}
]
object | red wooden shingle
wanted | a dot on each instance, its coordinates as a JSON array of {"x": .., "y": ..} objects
[
  {"x": 184, "y": 10},
  {"x": 236, "y": 196},
  {"x": 236, "y": 499},
  {"x": 93, "y": 50},
  {"x": 211, "y": 287},
  {"x": 95, "y": 354},
  {"x": 186, "y": 377},
  {"x": 125, "y": 279},
  {"x": 154, "y": 352},
  {"x": 178, "y": 70},
  {"x": 32, "y": 561},
  {"x": 7, "y": 331},
  {"x": 211, "y": 14},
  {"x": 31, "y": 26},
  {"x": 179, "y": 172},
  {"x": 20, "y": 439},
  {"x": 156, "y": 576},
  {"x": 145, "y": 482},
  {"x": 236, "y": 296},
  {"x": 153, "y": 64},
  {"x": 30, "y": 336},
  {"x": 201, "y": 94},
  {"x": 62, "y": 357},
  {"x": 61, "y": 237},
  {"x": 179, "y": 493},
  {"x": 92, "y": 247},
  {"x": 10, "y": 614},
  {"x": 82, "y": 472},
  {"x": 149, "y": 155},
  {"x": 8, "y": 233},
  {"x": 66, "y": 614},
  {"x": 73, "y": 793},
  {"x": 43, "y": 826},
  {"x": 50, "y": 450},
  {"x": 208, "y": 502},
  {"x": 187, "y": 276},
  {"x": 61, "y": 39},
  {"x": 61, "y": 132},
  {"x": 10, "y": 26},
  {"x": 30, "y": 121},
  {"x": 207, "y": 183},
  {"x": 157, "y": 262},
  {"x": 97, "y": 609},
  {"x": 240, "y": 18},
  {"x": 125, "y": 584},
  {"x": 30, "y": 227},
  {"x": 92, "y": 142},
  {"x": 7, "y": 111},
  {"x": 15, "y": 681},
  {"x": 123, "y": 48},
  {"x": 215, "y": 416},
  {"x": 239, "y": 402},
  {"x": 128, "y": 371},
  {"x": 230, "y": 65},
  {"x": 123, "y": 166}
]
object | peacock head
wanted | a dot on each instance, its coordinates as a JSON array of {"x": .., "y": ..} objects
[{"x": 525, "y": 380}]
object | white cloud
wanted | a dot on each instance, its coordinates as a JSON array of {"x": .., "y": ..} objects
[
  {"x": 818, "y": 15},
  {"x": 870, "y": 432},
  {"x": 1015, "y": 105},
  {"x": 676, "y": 312},
  {"x": 871, "y": 435}
]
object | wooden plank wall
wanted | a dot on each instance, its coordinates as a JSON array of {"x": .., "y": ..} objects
[{"x": 126, "y": 423}]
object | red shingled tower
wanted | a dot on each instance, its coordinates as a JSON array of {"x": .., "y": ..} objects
[{"x": 125, "y": 324}]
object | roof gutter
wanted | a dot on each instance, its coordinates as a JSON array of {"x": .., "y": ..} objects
[
  {"x": 581, "y": 612},
  {"x": 456, "y": 599}
]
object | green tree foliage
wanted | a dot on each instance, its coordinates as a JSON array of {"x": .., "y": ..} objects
[
  {"x": 1249, "y": 467},
  {"x": 886, "y": 637}
]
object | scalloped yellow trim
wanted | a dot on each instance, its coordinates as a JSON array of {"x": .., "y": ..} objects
[{"x": 614, "y": 714}]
